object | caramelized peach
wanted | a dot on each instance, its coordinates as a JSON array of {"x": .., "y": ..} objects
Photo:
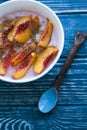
[
  {"x": 24, "y": 66},
  {"x": 23, "y": 53},
  {"x": 35, "y": 23},
  {"x": 5, "y": 28},
  {"x": 44, "y": 58},
  {"x": 46, "y": 35},
  {"x": 6, "y": 62},
  {"x": 1, "y": 27},
  {"x": 1, "y": 39},
  {"x": 7, "y": 25}
]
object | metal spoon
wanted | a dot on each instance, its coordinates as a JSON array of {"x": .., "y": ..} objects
[{"x": 49, "y": 99}]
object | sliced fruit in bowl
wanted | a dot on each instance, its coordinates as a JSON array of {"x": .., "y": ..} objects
[
  {"x": 23, "y": 53},
  {"x": 44, "y": 58},
  {"x": 23, "y": 68},
  {"x": 21, "y": 32},
  {"x": 46, "y": 35},
  {"x": 6, "y": 62},
  {"x": 35, "y": 23}
]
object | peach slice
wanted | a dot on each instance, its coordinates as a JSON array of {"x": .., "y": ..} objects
[
  {"x": 46, "y": 35},
  {"x": 6, "y": 62},
  {"x": 27, "y": 31},
  {"x": 23, "y": 53},
  {"x": 21, "y": 32},
  {"x": 5, "y": 28},
  {"x": 21, "y": 71},
  {"x": 44, "y": 58}
]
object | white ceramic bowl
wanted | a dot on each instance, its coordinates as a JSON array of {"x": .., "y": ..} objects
[{"x": 58, "y": 36}]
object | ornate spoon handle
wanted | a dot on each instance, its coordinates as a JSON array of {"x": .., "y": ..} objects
[{"x": 78, "y": 41}]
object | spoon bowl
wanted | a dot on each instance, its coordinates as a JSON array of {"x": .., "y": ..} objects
[{"x": 48, "y": 100}]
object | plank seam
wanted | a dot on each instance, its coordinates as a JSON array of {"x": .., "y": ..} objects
[{"x": 71, "y": 12}]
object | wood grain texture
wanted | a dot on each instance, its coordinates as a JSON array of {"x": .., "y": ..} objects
[
  {"x": 18, "y": 102},
  {"x": 65, "y": 5},
  {"x": 19, "y": 118}
]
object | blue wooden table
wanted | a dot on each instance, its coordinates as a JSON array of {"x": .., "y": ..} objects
[{"x": 18, "y": 102}]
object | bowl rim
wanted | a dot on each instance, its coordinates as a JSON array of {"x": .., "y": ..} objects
[{"x": 57, "y": 57}]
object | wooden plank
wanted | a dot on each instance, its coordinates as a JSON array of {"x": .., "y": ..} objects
[
  {"x": 61, "y": 118},
  {"x": 64, "y": 5},
  {"x": 71, "y": 24}
]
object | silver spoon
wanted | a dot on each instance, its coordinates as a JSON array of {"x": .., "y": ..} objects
[{"x": 49, "y": 99}]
